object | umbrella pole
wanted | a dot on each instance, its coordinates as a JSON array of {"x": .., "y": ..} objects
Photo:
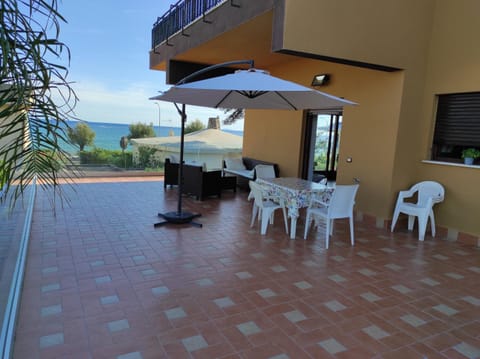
[
  {"x": 183, "y": 114},
  {"x": 180, "y": 217}
]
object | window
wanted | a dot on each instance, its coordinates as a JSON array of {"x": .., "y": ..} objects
[{"x": 457, "y": 126}]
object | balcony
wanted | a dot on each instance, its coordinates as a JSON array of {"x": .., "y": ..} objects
[
  {"x": 180, "y": 15},
  {"x": 193, "y": 31}
]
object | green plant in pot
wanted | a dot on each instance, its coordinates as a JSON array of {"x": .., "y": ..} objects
[{"x": 469, "y": 155}]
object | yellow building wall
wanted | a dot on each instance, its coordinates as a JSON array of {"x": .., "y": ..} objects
[
  {"x": 368, "y": 130},
  {"x": 381, "y": 134},
  {"x": 384, "y": 32},
  {"x": 274, "y": 136},
  {"x": 434, "y": 44},
  {"x": 453, "y": 66}
]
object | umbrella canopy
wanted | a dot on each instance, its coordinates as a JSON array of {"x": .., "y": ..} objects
[
  {"x": 205, "y": 141},
  {"x": 246, "y": 89},
  {"x": 251, "y": 89}
]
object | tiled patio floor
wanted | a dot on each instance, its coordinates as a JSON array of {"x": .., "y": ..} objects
[{"x": 101, "y": 282}]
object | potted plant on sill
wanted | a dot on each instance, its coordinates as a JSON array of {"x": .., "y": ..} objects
[{"x": 469, "y": 155}]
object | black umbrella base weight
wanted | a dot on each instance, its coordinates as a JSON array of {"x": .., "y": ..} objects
[{"x": 178, "y": 218}]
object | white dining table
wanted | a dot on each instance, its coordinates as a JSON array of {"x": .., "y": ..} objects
[{"x": 296, "y": 193}]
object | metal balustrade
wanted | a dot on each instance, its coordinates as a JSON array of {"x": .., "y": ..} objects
[{"x": 179, "y": 16}]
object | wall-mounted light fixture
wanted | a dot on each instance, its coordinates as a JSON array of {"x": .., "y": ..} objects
[{"x": 320, "y": 80}]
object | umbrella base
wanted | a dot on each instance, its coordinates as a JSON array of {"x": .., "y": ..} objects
[{"x": 178, "y": 218}]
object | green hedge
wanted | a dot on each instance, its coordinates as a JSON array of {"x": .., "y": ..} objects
[
  {"x": 100, "y": 156},
  {"x": 146, "y": 158}
]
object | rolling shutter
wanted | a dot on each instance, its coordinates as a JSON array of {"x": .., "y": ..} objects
[{"x": 458, "y": 120}]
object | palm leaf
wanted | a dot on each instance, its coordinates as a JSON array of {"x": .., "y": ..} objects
[{"x": 36, "y": 100}]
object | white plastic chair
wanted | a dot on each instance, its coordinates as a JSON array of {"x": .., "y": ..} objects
[
  {"x": 262, "y": 171},
  {"x": 264, "y": 208},
  {"x": 428, "y": 193},
  {"x": 340, "y": 206},
  {"x": 323, "y": 181}
]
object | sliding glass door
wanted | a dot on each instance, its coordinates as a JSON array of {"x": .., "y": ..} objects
[{"x": 322, "y": 144}]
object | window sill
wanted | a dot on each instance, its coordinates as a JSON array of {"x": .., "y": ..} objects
[{"x": 441, "y": 163}]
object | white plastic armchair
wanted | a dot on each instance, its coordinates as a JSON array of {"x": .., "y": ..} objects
[
  {"x": 428, "y": 193},
  {"x": 264, "y": 207},
  {"x": 263, "y": 171},
  {"x": 340, "y": 206}
]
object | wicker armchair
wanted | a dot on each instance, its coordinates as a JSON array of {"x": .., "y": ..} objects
[
  {"x": 201, "y": 183},
  {"x": 170, "y": 173}
]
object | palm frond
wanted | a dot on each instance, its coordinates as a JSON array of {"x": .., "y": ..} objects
[{"x": 36, "y": 100}]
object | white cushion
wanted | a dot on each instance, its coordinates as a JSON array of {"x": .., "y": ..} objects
[
  {"x": 174, "y": 159},
  {"x": 265, "y": 171},
  {"x": 250, "y": 174},
  {"x": 235, "y": 164}
]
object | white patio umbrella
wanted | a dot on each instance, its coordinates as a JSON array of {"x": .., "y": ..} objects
[
  {"x": 247, "y": 89},
  {"x": 251, "y": 89}
]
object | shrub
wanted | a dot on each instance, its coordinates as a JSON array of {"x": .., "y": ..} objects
[
  {"x": 100, "y": 156},
  {"x": 141, "y": 130},
  {"x": 125, "y": 160},
  {"x": 146, "y": 157},
  {"x": 82, "y": 135},
  {"x": 195, "y": 125}
]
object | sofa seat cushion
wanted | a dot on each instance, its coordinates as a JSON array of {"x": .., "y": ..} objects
[
  {"x": 250, "y": 174},
  {"x": 235, "y": 164}
]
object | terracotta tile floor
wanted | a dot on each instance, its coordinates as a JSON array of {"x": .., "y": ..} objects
[{"x": 102, "y": 282}]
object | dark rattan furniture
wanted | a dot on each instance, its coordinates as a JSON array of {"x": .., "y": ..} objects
[
  {"x": 170, "y": 174},
  {"x": 201, "y": 183}
]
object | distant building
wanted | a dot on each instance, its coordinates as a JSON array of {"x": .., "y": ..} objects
[{"x": 209, "y": 147}]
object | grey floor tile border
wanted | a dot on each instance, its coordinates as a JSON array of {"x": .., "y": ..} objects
[
  {"x": 266, "y": 293},
  {"x": 51, "y": 340},
  {"x": 51, "y": 310},
  {"x": 131, "y": 355},
  {"x": 332, "y": 346},
  {"x": 248, "y": 328},
  {"x": 467, "y": 350},
  {"x": 109, "y": 299},
  {"x": 194, "y": 343},
  {"x": 118, "y": 325}
]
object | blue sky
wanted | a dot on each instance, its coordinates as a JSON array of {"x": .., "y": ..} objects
[{"x": 109, "y": 43}]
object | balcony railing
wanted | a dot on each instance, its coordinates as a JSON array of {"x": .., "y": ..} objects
[{"x": 180, "y": 15}]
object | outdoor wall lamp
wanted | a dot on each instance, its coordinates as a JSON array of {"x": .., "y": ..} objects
[{"x": 321, "y": 80}]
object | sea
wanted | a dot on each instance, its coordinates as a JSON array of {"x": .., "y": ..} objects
[{"x": 108, "y": 135}]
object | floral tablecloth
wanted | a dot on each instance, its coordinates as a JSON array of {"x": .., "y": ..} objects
[{"x": 296, "y": 192}]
